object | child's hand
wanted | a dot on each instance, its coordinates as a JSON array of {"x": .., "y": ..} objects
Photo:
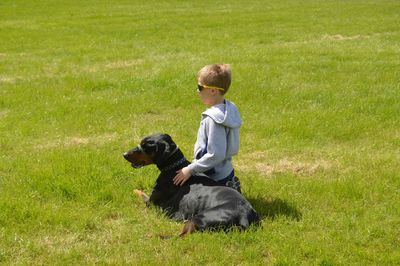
[{"x": 182, "y": 176}]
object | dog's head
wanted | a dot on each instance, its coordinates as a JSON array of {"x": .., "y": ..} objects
[{"x": 152, "y": 149}]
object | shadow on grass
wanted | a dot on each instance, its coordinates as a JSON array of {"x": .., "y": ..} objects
[{"x": 273, "y": 208}]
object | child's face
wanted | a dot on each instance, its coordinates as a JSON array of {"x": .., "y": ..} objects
[
  {"x": 210, "y": 96},
  {"x": 207, "y": 96}
]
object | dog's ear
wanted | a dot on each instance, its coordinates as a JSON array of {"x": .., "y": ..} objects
[
  {"x": 158, "y": 146},
  {"x": 149, "y": 146},
  {"x": 166, "y": 145}
]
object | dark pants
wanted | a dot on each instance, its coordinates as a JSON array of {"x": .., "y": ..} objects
[{"x": 231, "y": 181}]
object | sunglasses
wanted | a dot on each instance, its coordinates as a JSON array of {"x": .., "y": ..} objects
[{"x": 201, "y": 87}]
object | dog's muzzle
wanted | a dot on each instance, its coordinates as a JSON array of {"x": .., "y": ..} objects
[{"x": 136, "y": 166}]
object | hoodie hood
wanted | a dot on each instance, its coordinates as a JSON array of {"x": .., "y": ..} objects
[{"x": 225, "y": 114}]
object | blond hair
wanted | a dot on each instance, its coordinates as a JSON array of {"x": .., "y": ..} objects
[{"x": 217, "y": 75}]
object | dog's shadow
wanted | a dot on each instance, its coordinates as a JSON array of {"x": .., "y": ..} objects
[{"x": 272, "y": 208}]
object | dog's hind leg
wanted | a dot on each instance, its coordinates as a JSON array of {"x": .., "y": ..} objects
[
  {"x": 224, "y": 215},
  {"x": 188, "y": 228}
]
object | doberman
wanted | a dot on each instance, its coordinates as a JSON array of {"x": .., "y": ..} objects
[{"x": 201, "y": 202}]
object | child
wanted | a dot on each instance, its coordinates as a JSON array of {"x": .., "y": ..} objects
[{"x": 218, "y": 135}]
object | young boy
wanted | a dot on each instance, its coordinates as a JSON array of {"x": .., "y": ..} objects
[{"x": 218, "y": 135}]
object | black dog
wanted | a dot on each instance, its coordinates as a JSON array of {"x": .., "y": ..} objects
[{"x": 201, "y": 202}]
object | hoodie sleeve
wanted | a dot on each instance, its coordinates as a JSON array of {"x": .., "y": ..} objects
[{"x": 216, "y": 148}]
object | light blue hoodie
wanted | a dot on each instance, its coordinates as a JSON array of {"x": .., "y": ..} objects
[{"x": 217, "y": 141}]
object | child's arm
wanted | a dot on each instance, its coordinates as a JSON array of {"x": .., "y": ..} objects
[
  {"x": 216, "y": 149},
  {"x": 216, "y": 153}
]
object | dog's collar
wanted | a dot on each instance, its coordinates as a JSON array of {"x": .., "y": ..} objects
[{"x": 174, "y": 165}]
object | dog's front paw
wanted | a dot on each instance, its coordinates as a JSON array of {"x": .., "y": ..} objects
[
  {"x": 141, "y": 194},
  {"x": 138, "y": 192}
]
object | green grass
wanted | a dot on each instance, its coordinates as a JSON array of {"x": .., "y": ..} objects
[{"x": 317, "y": 84}]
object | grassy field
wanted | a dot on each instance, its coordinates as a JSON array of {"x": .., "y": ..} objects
[{"x": 317, "y": 84}]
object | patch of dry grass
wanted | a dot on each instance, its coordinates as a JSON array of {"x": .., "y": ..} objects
[{"x": 261, "y": 163}]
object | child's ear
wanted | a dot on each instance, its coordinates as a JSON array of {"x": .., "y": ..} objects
[{"x": 216, "y": 92}]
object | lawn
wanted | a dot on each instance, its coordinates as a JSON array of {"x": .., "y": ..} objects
[{"x": 318, "y": 87}]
